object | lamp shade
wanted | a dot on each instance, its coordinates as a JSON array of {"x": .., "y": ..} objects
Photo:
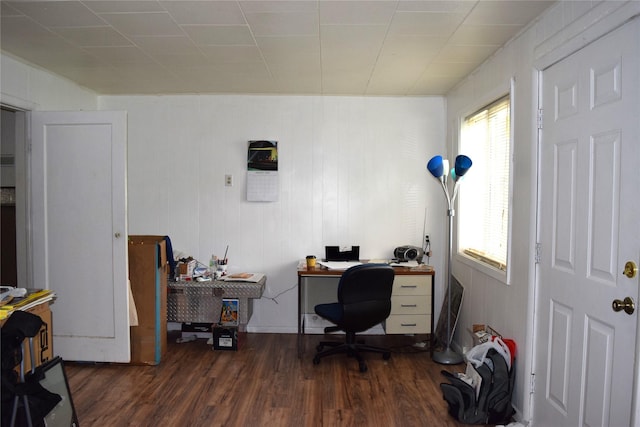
[
  {"x": 435, "y": 166},
  {"x": 463, "y": 164}
]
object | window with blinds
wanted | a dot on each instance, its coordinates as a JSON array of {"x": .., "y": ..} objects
[{"x": 483, "y": 204}]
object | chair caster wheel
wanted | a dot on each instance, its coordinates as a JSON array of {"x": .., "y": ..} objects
[
  {"x": 363, "y": 367},
  {"x": 316, "y": 360},
  {"x": 386, "y": 355}
]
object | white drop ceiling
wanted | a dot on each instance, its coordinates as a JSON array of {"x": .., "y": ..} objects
[{"x": 316, "y": 47}]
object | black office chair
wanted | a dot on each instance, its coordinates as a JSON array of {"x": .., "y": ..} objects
[{"x": 364, "y": 300}]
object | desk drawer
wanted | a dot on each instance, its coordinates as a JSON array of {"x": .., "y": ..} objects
[
  {"x": 408, "y": 324},
  {"x": 408, "y": 304},
  {"x": 412, "y": 285}
]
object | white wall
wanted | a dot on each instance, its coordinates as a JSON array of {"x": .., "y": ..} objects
[
  {"x": 29, "y": 88},
  {"x": 566, "y": 26},
  {"x": 352, "y": 171}
]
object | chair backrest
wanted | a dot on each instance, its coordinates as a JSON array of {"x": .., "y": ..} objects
[{"x": 365, "y": 294}]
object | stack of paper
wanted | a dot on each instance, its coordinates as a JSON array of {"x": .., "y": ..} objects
[
  {"x": 244, "y": 277},
  {"x": 32, "y": 298}
]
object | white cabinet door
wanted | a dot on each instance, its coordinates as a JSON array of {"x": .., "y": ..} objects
[{"x": 79, "y": 229}]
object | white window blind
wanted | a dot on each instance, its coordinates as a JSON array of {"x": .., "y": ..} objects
[{"x": 483, "y": 205}]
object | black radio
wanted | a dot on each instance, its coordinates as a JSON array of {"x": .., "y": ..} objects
[{"x": 408, "y": 253}]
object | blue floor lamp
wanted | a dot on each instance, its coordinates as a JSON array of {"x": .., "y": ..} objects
[{"x": 439, "y": 168}]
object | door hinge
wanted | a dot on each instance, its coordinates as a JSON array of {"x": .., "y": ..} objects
[
  {"x": 532, "y": 383},
  {"x": 539, "y": 118},
  {"x": 538, "y": 254}
]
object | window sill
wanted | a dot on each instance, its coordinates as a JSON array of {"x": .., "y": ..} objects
[{"x": 497, "y": 274}]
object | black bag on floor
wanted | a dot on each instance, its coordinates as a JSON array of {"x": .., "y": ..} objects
[{"x": 492, "y": 403}]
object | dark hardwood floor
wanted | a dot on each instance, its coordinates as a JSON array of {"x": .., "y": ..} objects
[{"x": 263, "y": 383}]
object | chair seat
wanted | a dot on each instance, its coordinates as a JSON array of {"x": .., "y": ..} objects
[{"x": 332, "y": 312}]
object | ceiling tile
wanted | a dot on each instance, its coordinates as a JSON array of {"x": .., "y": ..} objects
[
  {"x": 352, "y": 39},
  {"x": 356, "y": 12},
  {"x": 283, "y": 24},
  {"x": 231, "y": 54},
  {"x": 286, "y": 49},
  {"x": 128, "y": 6},
  {"x": 506, "y": 12},
  {"x": 425, "y": 23},
  {"x": 143, "y": 24},
  {"x": 484, "y": 34},
  {"x": 344, "y": 83},
  {"x": 7, "y": 11},
  {"x": 93, "y": 36},
  {"x": 186, "y": 59},
  {"x": 58, "y": 14},
  {"x": 458, "y": 6},
  {"x": 205, "y": 12},
  {"x": 455, "y": 70},
  {"x": 306, "y": 79},
  {"x": 22, "y": 29},
  {"x": 420, "y": 48},
  {"x": 466, "y": 53},
  {"x": 259, "y": 6},
  {"x": 165, "y": 44},
  {"x": 433, "y": 85},
  {"x": 220, "y": 34},
  {"x": 120, "y": 55}
]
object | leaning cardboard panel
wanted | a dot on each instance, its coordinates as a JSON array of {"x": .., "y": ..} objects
[{"x": 148, "y": 276}]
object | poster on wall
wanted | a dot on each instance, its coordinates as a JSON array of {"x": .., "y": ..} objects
[{"x": 262, "y": 171}]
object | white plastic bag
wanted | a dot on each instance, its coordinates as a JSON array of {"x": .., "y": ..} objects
[{"x": 478, "y": 354}]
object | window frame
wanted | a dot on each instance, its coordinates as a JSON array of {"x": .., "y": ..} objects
[{"x": 502, "y": 276}]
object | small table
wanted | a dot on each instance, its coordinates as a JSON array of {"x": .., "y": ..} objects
[{"x": 201, "y": 302}]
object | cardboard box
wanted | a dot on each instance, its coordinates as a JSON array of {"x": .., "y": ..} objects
[
  {"x": 148, "y": 276},
  {"x": 42, "y": 342},
  {"x": 225, "y": 337},
  {"x": 187, "y": 268},
  {"x": 199, "y": 330},
  {"x": 482, "y": 333}
]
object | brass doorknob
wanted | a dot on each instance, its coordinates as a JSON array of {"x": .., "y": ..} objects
[
  {"x": 630, "y": 269},
  {"x": 627, "y": 305}
]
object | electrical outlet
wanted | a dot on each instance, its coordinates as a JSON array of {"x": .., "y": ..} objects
[{"x": 228, "y": 180}]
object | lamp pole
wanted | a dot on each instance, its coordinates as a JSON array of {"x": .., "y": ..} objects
[{"x": 439, "y": 169}]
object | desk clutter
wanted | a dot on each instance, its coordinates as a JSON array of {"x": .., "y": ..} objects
[
  {"x": 344, "y": 257},
  {"x": 218, "y": 309}
]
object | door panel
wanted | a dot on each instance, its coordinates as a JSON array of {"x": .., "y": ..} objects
[
  {"x": 78, "y": 176},
  {"x": 589, "y": 228}
]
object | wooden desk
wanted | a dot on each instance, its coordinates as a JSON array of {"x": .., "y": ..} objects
[{"x": 411, "y": 300}]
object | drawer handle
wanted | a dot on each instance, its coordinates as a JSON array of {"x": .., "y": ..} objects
[
  {"x": 408, "y": 286},
  {"x": 408, "y": 324},
  {"x": 408, "y": 305}
]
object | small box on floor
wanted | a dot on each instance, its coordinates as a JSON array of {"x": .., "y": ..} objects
[
  {"x": 199, "y": 330},
  {"x": 225, "y": 337}
]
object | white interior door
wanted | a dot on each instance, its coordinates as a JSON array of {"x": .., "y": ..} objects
[
  {"x": 78, "y": 178},
  {"x": 589, "y": 228}
]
